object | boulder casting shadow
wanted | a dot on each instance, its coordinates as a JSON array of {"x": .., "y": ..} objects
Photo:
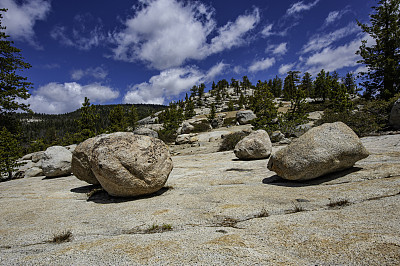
[
  {"x": 276, "y": 180},
  {"x": 102, "y": 197}
]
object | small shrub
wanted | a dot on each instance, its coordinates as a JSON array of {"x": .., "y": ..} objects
[
  {"x": 338, "y": 203},
  {"x": 229, "y": 142},
  {"x": 168, "y": 136},
  {"x": 62, "y": 237},
  {"x": 158, "y": 229},
  {"x": 93, "y": 192},
  {"x": 230, "y": 121},
  {"x": 202, "y": 126}
]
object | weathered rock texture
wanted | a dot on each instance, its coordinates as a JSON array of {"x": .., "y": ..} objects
[
  {"x": 129, "y": 165},
  {"x": 325, "y": 149},
  {"x": 257, "y": 145},
  {"x": 146, "y": 132},
  {"x": 395, "y": 115},
  {"x": 244, "y": 117},
  {"x": 80, "y": 164},
  {"x": 56, "y": 161}
]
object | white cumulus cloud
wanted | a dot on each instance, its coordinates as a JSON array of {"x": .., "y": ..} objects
[
  {"x": 278, "y": 49},
  {"x": 20, "y": 18},
  {"x": 58, "y": 98},
  {"x": 262, "y": 64},
  {"x": 169, "y": 83},
  {"x": 167, "y": 33}
]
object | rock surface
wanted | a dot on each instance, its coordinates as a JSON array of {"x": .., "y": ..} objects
[
  {"x": 56, "y": 161},
  {"x": 146, "y": 132},
  {"x": 257, "y": 145},
  {"x": 222, "y": 212},
  {"x": 395, "y": 115},
  {"x": 244, "y": 117},
  {"x": 186, "y": 128},
  {"x": 80, "y": 164},
  {"x": 128, "y": 165},
  {"x": 321, "y": 150}
]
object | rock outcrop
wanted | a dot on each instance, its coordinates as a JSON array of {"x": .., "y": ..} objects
[
  {"x": 146, "y": 132},
  {"x": 244, "y": 117},
  {"x": 257, "y": 145},
  {"x": 321, "y": 150},
  {"x": 395, "y": 115},
  {"x": 56, "y": 161},
  {"x": 129, "y": 165}
]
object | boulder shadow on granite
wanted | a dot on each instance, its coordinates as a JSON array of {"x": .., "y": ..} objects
[
  {"x": 276, "y": 180},
  {"x": 96, "y": 194}
]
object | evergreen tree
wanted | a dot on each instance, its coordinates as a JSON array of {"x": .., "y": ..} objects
[
  {"x": 10, "y": 151},
  {"x": 12, "y": 85},
  {"x": 321, "y": 85},
  {"x": 262, "y": 104},
  {"x": 118, "y": 119},
  {"x": 189, "y": 109},
  {"x": 276, "y": 88},
  {"x": 87, "y": 122},
  {"x": 307, "y": 85},
  {"x": 290, "y": 84},
  {"x": 212, "y": 113},
  {"x": 242, "y": 101},
  {"x": 133, "y": 117},
  {"x": 350, "y": 83},
  {"x": 382, "y": 58}
]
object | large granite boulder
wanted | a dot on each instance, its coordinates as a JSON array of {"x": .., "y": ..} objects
[
  {"x": 56, "y": 161},
  {"x": 257, "y": 145},
  {"x": 244, "y": 117},
  {"x": 186, "y": 128},
  {"x": 81, "y": 161},
  {"x": 321, "y": 150},
  {"x": 395, "y": 115},
  {"x": 129, "y": 165}
]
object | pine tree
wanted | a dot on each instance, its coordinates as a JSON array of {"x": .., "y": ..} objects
[
  {"x": 12, "y": 85},
  {"x": 350, "y": 83},
  {"x": 276, "y": 88},
  {"x": 307, "y": 85},
  {"x": 382, "y": 58},
  {"x": 290, "y": 84},
  {"x": 87, "y": 122},
  {"x": 10, "y": 151},
  {"x": 133, "y": 117},
  {"x": 118, "y": 119},
  {"x": 321, "y": 85},
  {"x": 263, "y": 106}
]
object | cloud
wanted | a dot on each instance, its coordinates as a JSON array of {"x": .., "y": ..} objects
[
  {"x": 279, "y": 49},
  {"x": 318, "y": 42},
  {"x": 86, "y": 32},
  {"x": 20, "y": 18},
  {"x": 334, "y": 58},
  {"x": 167, "y": 33},
  {"x": 170, "y": 83},
  {"x": 267, "y": 31},
  {"x": 283, "y": 69},
  {"x": 262, "y": 64},
  {"x": 299, "y": 7},
  {"x": 335, "y": 15},
  {"x": 58, "y": 98},
  {"x": 97, "y": 73}
]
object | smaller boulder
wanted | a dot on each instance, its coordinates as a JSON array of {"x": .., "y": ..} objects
[
  {"x": 395, "y": 115},
  {"x": 257, "y": 145},
  {"x": 244, "y": 117},
  {"x": 328, "y": 148},
  {"x": 186, "y": 128},
  {"x": 37, "y": 156},
  {"x": 186, "y": 139},
  {"x": 146, "y": 132},
  {"x": 56, "y": 161},
  {"x": 277, "y": 136}
]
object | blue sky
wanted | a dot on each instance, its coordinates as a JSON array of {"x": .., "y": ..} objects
[{"x": 154, "y": 51}]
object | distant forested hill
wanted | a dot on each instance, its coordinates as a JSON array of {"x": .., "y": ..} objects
[{"x": 51, "y": 129}]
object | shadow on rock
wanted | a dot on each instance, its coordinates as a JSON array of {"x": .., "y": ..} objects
[
  {"x": 55, "y": 177},
  {"x": 278, "y": 181},
  {"x": 97, "y": 194}
]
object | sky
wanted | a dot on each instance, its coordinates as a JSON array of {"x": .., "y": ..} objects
[{"x": 154, "y": 51}]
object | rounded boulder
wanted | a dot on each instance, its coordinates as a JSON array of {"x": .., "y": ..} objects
[
  {"x": 322, "y": 150},
  {"x": 129, "y": 165},
  {"x": 257, "y": 145}
]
